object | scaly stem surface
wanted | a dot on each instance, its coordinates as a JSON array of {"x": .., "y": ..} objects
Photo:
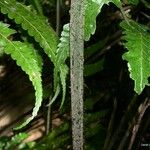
[{"x": 76, "y": 70}]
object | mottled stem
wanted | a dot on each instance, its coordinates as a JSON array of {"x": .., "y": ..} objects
[{"x": 76, "y": 71}]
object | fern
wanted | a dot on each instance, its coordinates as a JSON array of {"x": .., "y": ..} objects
[
  {"x": 62, "y": 55},
  {"x": 27, "y": 58},
  {"x": 63, "y": 75},
  {"x": 63, "y": 46},
  {"x": 16, "y": 142},
  {"x": 138, "y": 43},
  {"x": 92, "y": 9},
  {"x": 36, "y": 26},
  {"x": 40, "y": 30},
  {"x": 46, "y": 37}
]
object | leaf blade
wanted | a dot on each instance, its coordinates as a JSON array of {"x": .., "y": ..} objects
[
  {"x": 25, "y": 57},
  {"x": 92, "y": 9},
  {"x": 137, "y": 42},
  {"x": 36, "y": 26}
]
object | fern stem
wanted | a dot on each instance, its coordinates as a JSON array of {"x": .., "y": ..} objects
[
  {"x": 58, "y": 17},
  {"x": 49, "y": 118},
  {"x": 49, "y": 110},
  {"x": 51, "y": 100},
  {"x": 76, "y": 71},
  {"x": 55, "y": 96}
]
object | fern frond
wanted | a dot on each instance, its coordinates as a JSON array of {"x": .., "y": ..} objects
[
  {"x": 137, "y": 42},
  {"x": 62, "y": 55},
  {"x": 27, "y": 58},
  {"x": 63, "y": 46},
  {"x": 92, "y": 9},
  {"x": 36, "y": 26},
  {"x": 93, "y": 68},
  {"x": 63, "y": 75}
]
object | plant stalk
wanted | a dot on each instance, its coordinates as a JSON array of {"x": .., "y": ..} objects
[{"x": 76, "y": 71}]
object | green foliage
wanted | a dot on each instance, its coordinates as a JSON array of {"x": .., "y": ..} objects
[
  {"x": 62, "y": 55},
  {"x": 1, "y": 52},
  {"x": 63, "y": 46},
  {"x": 91, "y": 69},
  {"x": 63, "y": 75},
  {"x": 134, "y": 2},
  {"x": 28, "y": 59},
  {"x": 35, "y": 25},
  {"x": 50, "y": 142},
  {"x": 44, "y": 35},
  {"x": 137, "y": 42},
  {"x": 16, "y": 142},
  {"x": 92, "y": 9},
  {"x": 136, "y": 38},
  {"x": 90, "y": 50},
  {"x": 91, "y": 12},
  {"x": 93, "y": 130}
]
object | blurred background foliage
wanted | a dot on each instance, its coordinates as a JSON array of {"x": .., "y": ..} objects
[{"x": 111, "y": 106}]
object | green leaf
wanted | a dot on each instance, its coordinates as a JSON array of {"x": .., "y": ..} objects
[
  {"x": 62, "y": 55},
  {"x": 40, "y": 30},
  {"x": 102, "y": 2},
  {"x": 138, "y": 56},
  {"x": 35, "y": 25},
  {"x": 63, "y": 75},
  {"x": 28, "y": 59},
  {"x": 16, "y": 140},
  {"x": 92, "y": 9},
  {"x": 60, "y": 133},
  {"x": 91, "y": 69},
  {"x": 92, "y": 49},
  {"x": 63, "y": 46},
  {"x": 134, "y": 2}
]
